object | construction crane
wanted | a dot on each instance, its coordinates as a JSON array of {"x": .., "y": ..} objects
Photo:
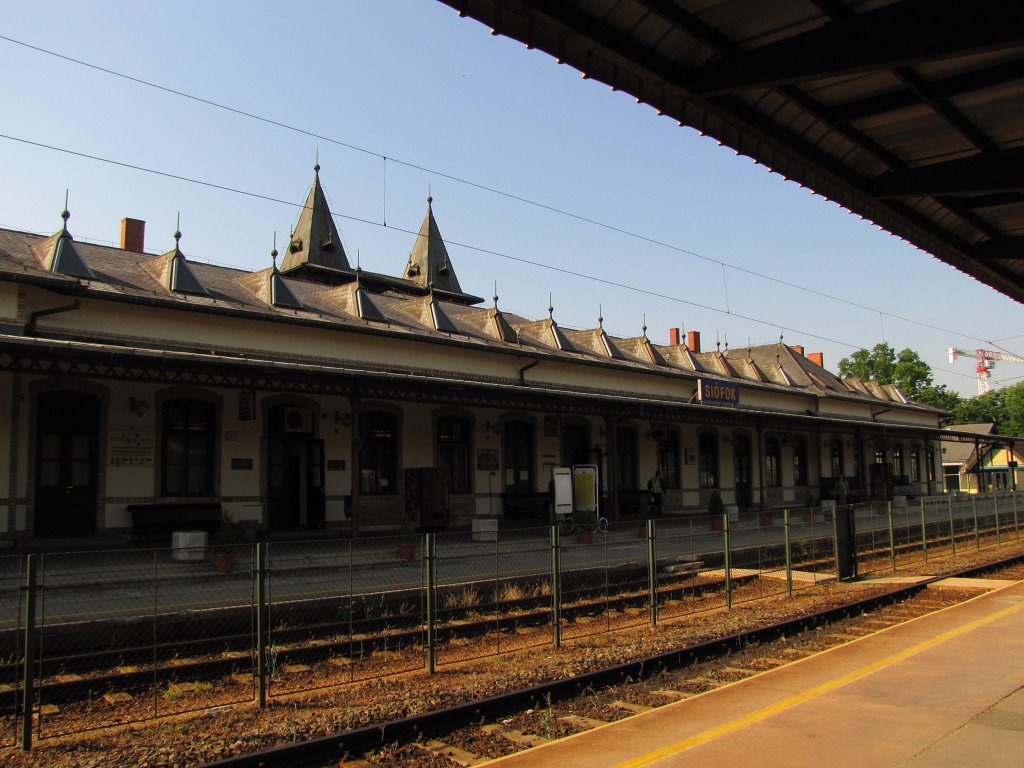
[{"x": 986, "y": 360}]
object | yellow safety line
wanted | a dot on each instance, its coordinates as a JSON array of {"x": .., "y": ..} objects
[{"x": 811, "y": 693}]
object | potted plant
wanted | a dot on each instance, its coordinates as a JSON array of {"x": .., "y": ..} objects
[
  {"x": 585, "y": 523},
  {"x": 225, "y": 556},
  {"x": 715, "y": 510}
]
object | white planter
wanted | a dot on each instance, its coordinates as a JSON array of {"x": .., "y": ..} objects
[{"x": 188, "y": 546}]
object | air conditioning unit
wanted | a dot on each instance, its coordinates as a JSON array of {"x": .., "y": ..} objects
[{"x": 297, "y": 420}]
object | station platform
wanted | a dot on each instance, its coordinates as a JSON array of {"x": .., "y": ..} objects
[{"x": 943, "y": 690}]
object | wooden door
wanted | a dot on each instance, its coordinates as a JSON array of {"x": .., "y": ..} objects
[{"x": 67, "y": 426}]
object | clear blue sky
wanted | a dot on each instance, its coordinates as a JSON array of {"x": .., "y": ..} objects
[{"x": 410, "y": 80}]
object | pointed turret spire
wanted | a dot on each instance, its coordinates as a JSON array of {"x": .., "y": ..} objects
[
  {"x": 428, "y": 262},
  {"x": 315, "y": 240},
  {"x": 172, "y": 270},
  {"x": 58, "y": 252}
]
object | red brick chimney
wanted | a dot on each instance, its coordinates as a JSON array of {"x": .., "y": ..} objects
[
  {"x": 817, "y": 358},
  {"x": 133, "y": 235},
  {"x": 673, "y": 337},
  {"x": 799, "y": 349},
  {"x": 693, "y": 340}
]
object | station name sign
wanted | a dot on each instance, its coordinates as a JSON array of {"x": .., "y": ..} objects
[{"x": 718, "y": 392}]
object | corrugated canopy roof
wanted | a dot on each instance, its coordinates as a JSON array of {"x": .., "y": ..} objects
[{"x": 909, "y": 113}]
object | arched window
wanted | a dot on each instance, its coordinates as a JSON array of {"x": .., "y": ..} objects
[
  {"x": 668, "y": 459},
  {"x": 378, "y": 454},
  {"x": 772, "y": 462},
  {"x": 915, "y": 464},
  {"x": 708, "y": 461},
  {"x": 187, "y": 431},
  {"x": 453, "y": 449},
  {"x": 518, "y": 456},
  {"x": 897, "y": 460},
  {"x": 625, "y": 459},
  {"x": 799, "y": 461}
]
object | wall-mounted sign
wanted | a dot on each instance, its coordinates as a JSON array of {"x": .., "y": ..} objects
[
  {"x": 335, "y": 465},
  {"x": 241, "y": 463},
  {"x": 712, "y": 392},
  {"x": 247, "y": 405},
  {"x": 487, "y": 459},
  {"x": 552, "y": 425},
  {"x": 127, "y": 447}
]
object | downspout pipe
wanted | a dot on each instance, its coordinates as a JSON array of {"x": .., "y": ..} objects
[
  {"x": 525, "y": 368},
  {"x": 30, "y": 327}
]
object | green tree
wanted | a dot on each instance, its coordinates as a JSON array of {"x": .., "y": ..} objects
[
  {"x": 1002, "y": 407},
  {"x": 911, "y": 374}
]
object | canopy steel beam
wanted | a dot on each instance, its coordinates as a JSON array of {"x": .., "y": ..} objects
[{"x": 904, "y": 33}]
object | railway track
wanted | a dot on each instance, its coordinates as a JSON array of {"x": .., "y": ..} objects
[{"x": 472, "y": 733}]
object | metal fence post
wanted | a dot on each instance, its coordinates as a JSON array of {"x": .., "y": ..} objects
[
  {"x": 924, "y": 532},
  {"x": 28, "y": 671},
  {"x": 727, "y": 558},
  {"x": 652, "y": 571},
  {"x": 789, "y": 552},
  {"x": 995, "y": 509},
  {"x": 262, "y": 624},
  {"x": 977, "y": 534},
  {"x": 556, "y": 590},
  {"x": 892, "y": 535},
  {"x": 952, "y": 526},
  {"x": 431, "y": 568}
]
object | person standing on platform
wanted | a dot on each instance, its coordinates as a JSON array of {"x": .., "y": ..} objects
[{"x": 654, "y": 489}]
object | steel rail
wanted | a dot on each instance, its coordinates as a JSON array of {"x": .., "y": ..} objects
[{"x": 362, "y": 740}]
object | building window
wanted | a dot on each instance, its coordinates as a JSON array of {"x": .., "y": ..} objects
[
  {"x": 668, "y": 459},
  {"x": 931, "y": 464},
  {"x": 453, "y": 451},
  {"x": 772, "y": 462},
  {"x": 897, "y": 461},
  {"x": 188, "y": 454},
  {"x": 708, "y": 461},
  {"x": 837, "y": 458},
  {"x": 378, "y": 456},
  {"x": 879, "y": 455},
  {"x": 915, "y": 465},
  {"x": 799, "y": 461},
  {"x": 518, "y": 442},
  {"x": 625, "y": 459}
]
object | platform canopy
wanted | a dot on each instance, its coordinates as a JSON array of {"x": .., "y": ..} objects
[{"x": 908, "y": 113}]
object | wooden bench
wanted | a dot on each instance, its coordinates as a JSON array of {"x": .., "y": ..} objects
[{"x": 162, "y": 519}]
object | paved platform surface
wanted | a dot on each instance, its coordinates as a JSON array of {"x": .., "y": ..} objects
[{"x": 940, "y": 691}]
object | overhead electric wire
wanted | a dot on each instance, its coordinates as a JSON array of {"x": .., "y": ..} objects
[
  {"x": 478, "y": 249},
  {"x": 476, "y": 185}
]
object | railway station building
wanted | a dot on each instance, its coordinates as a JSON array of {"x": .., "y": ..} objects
[{"x": 314, "y": 394}]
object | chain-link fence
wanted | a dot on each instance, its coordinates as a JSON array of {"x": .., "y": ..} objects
[
  {"x": 12, "y": 581},
  {"x": 93, "y": 640}
]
